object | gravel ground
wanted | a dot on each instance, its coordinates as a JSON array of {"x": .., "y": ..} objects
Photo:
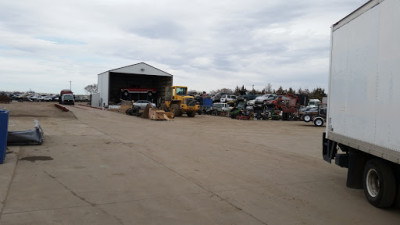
[{"x": 99, "y": 167}]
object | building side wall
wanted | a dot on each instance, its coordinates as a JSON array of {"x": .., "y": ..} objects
[{"x": 103, "y": 88}]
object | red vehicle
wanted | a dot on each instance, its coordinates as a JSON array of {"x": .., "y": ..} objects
[
  {"x": 148, "y": 91},
  {"x": 288, "y": 104},
  {"x": 66, "y": 97}
]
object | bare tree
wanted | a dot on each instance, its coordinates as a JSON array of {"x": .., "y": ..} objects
[
  {"x": 91, "y": 88},
  {"x": 268, "y": 88},
  {"x": 222, "y": 90},
  {"x": 280, "y": 91}
]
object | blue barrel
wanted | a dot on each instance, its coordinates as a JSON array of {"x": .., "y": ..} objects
[{"x": 3, "y": 134}]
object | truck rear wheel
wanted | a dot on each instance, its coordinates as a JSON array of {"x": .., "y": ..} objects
[
  {"x": 379, "y": 183},
  {"x": 191, "y": 114}
]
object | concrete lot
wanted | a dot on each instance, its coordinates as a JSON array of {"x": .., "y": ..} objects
[{"x": 99, "y": 167}]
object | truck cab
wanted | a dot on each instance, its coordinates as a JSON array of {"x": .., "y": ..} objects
[{"x": 67, "y": 99}]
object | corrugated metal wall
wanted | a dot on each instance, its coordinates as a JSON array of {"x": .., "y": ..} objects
[
  {"x": 103, "y": 84},
  {"x": 96, "y": 100}
]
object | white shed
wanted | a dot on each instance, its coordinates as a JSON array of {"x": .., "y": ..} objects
[{"x": 135, "y": 78}]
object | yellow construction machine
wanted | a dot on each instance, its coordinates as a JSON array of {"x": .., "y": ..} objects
[{"x": 178, "y": 102}]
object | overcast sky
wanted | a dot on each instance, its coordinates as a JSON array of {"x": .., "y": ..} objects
[{"x": 205, "y": 44}]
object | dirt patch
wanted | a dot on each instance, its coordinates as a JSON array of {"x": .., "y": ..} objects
[
  {"x": 35, "y": 109},
  {"x": 37, "y": 158}
]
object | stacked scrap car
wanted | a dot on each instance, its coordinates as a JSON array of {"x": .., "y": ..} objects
[
  {"x": 228, "y": 98},
  {"x": 220, "y": 109},
  {"x": 263, "y": 99}
]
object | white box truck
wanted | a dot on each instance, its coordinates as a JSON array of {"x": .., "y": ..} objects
[{"x": 363, "y": 127}]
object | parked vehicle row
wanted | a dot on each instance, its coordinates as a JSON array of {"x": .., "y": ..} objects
[{"x": 34, "y": 98}]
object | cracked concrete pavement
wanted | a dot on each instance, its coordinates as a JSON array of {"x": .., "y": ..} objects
[{"x": 108, "y": 168}]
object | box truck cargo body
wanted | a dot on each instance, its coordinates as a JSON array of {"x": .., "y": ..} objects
[{"x": 363, "y": 130}]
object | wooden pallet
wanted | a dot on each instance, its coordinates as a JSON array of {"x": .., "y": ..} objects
[{"x": 156, "y": 114}]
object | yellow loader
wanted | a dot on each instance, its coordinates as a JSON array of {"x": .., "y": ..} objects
[{"x": 178, "y": 102}]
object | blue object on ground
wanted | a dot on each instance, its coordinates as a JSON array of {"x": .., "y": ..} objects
[{"x": 3, "y": 134}]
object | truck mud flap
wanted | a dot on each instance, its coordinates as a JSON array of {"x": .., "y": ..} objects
[
  {"x": 329, "y": 148},
  {"x": 27, "y": 137}
]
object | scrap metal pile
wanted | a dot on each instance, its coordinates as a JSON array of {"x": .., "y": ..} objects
[
  {"x": 265, "y": 107},
  {"x": 245, "y": 107},
  {"x": 4, "y": 98},
  {"x": 149, "y": 112}
]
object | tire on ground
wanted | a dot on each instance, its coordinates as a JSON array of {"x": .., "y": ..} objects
[
  {"x": 164, "y": 107},
  {"x": 191, "y": 114},
  {"x": 379, "y": 183},
  {"x": 128, "y": 111}
]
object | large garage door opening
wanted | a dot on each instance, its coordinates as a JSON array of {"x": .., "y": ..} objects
[
  {"x": 135, "y": 82},
  {"x": 137, "y": 87}
]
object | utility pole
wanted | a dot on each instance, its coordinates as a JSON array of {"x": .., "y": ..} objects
[{"x": 70, "y": 85}]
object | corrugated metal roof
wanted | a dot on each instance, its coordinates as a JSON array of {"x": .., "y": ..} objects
[{"x": 139, "y": 68}]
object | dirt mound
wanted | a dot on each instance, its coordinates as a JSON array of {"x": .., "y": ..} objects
[
  {"x": 35, "y": 109},
  {"x": 4, "y": 99}
]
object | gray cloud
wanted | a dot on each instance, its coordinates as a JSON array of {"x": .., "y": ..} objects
[{"x": 205, "y": 44}]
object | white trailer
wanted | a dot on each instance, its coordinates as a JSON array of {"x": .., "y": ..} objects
[{"x": 363, "y": 130}]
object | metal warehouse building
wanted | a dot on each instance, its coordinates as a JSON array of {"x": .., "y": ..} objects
[{"x": 135, "y": 82}]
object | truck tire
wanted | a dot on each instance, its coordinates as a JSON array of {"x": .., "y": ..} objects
[
  {"x": 379, "y": 183},
  {"x": 319, "y": 122},
  {"x": 307, "y": 118},
  {"x": 175, "y": 109},
  {"x": 128, "y": 111},
  {"x": 191, "y": 114},
  {"x": 285, "y": 116},
  {"x": 164, "y": 107}
]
